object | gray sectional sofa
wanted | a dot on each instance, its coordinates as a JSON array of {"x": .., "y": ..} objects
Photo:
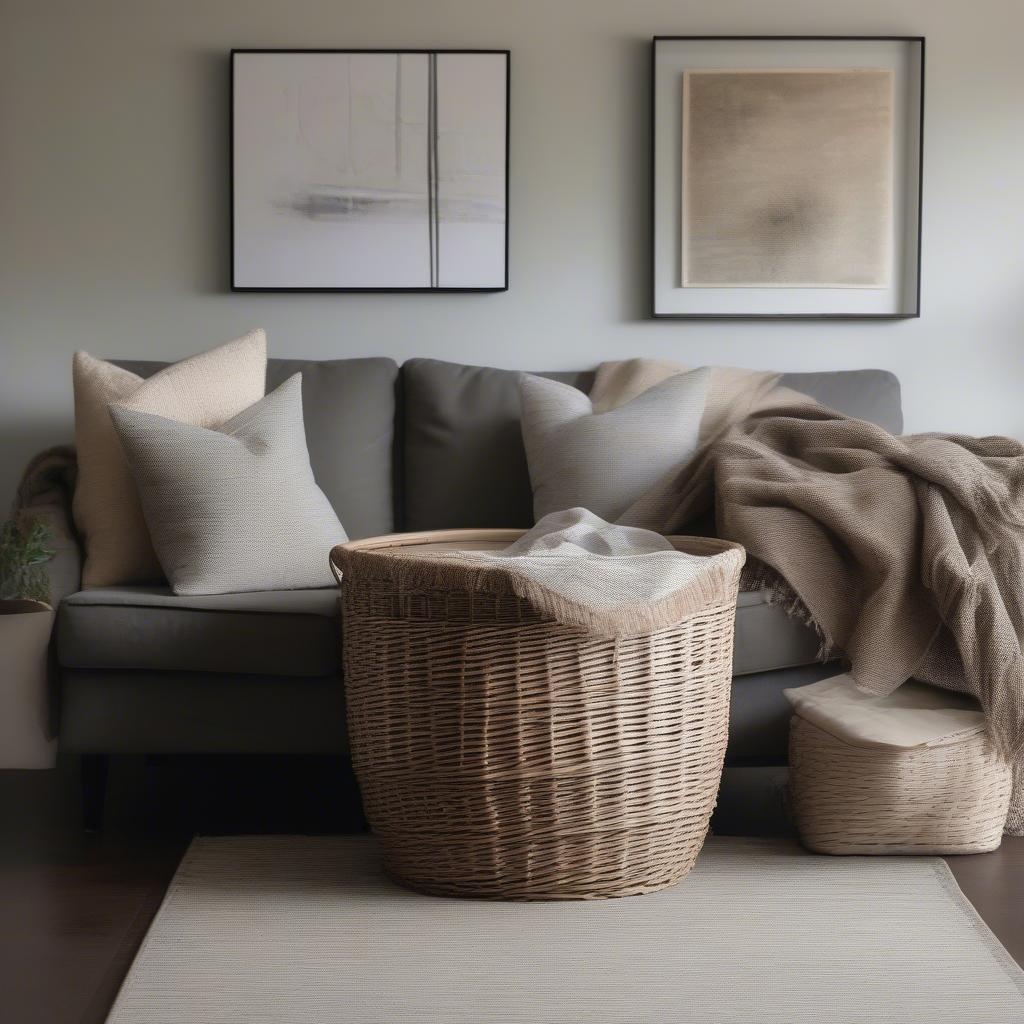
[{"x": 427, "y": 445}]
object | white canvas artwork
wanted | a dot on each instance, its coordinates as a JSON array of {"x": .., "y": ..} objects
[{"x": 363, "y": 170}]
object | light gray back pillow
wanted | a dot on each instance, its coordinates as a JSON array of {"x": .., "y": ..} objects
[
  {"x": 605, "y": 461},
  {"x": 235, "y": 508}
]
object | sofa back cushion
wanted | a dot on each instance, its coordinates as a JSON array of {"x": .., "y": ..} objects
[
  {"x": 349, "y": 415},
  {"x": 463, "y": 457},
  {"x": 870, "y": 395}
]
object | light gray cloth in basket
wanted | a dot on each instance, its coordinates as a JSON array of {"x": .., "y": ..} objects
[{"x": 614, "y": 581}]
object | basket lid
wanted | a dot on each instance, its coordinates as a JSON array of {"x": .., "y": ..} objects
[
  {"x": 609, "y": 590},
  {"x": 915, "y": 715}
]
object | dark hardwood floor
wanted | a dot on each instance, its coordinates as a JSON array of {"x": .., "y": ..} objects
[
  {"x": 74, "y": 906},
  {"x": 994, "y": 883}
]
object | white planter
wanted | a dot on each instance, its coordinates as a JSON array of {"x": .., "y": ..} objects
[{"x": 24, "y": 706}]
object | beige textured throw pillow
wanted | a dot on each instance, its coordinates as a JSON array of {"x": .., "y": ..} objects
[{"x": 203, "y": 390}]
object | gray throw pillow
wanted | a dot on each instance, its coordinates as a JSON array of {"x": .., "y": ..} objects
[
  {"x": 605, "y": 461},
  {"x": 235, "y": 508}
]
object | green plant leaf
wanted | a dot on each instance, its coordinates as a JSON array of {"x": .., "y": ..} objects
[{"x": 23, "y": 557}]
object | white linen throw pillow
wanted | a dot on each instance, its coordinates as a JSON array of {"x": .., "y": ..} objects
[{"x": 235, "y": 508}]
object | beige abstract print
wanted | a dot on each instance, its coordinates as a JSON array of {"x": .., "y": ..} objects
[{"x": 787, "y": 178}]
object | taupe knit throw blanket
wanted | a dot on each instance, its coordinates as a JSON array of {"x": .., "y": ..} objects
[{"x": 905, "y": 553}]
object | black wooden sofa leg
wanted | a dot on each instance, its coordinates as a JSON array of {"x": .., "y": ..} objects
[{"x": 94, "y": 788}]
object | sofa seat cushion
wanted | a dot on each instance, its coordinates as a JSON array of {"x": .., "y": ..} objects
[
  {"x": 768, "y": 639},
  {"x": 283, "y": 633},
  {"x": 297, "y": 632}
]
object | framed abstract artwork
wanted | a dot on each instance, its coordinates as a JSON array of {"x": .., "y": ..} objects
[
  {"x": 369, "y": 170},
  {"x": 786, "y": 176}
]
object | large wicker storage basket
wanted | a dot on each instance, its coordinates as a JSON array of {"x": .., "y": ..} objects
[
  {"x": 945, "y": 799},
  {"x": 503, "y": 755}
]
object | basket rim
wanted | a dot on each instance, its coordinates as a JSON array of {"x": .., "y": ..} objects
[{"x": 389, "y": 542}]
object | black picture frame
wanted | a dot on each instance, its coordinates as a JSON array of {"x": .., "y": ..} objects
[
  {"x": 915, "y": 311},
  {"x": 433, "y": 289}
]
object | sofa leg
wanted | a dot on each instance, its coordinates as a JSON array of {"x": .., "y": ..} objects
[{"x": 95, "y": 768}]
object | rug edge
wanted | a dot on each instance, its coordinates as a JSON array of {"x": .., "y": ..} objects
[
  {"x": 1013, "y": 970},
  {"x": 126, "y": 982}
]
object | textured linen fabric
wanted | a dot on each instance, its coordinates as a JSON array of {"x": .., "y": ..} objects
[
  {"x": 907, "y": 553},
  {"x": 235, "y": 508},
  {"x": 297, "y": 930},
  {"x": 604, "y": 461},
  {"x": 734, "y": 393},
  {"x": 612, "y": 581},
  {"x": 204, "y": 390},
  {"x": 915, "y": 715}
]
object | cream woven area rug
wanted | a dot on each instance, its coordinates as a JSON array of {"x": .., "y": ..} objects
[{"x": 288, "y": 929}]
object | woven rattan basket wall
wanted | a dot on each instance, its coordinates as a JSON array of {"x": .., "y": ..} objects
[
  {"x": 502, "y": 755},
  {"x": 943, "y": 799}
]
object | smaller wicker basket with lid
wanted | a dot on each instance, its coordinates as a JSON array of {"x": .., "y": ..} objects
[
  {"x": 502, "y": 754},
  {"x": 914, "y": 772}
]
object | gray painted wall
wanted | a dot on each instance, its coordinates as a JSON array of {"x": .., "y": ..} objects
[{"x": 114, "y": 197}]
